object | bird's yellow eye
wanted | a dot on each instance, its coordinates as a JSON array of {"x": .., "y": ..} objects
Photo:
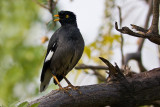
[{"x": 67, "y": 16}]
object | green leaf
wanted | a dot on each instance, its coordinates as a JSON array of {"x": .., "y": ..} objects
[
  {"x": 35, "y": 105},
  {"x": 24, "y": 104}
]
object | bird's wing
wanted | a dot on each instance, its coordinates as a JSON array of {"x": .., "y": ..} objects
[
  {"x": 47, "y": 61},
  {"x": 46, "y": 73},
  {"x": 52, "y": 46}
]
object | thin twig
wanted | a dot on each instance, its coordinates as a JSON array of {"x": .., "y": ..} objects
[
  {"x": 126, "y": 30},
  {"x": 83, "y": 66},
  {"x": 52, "y": 5},
  {"x": 94, "y": 69},
  {"x": 139, "y": 28},
  {"x": 150, "y": 2},
  {"x": 40, "y": 4},
  {"x": 122, "y": 39},
  {"x": 152, "y": 37},
  {"x": 99, "y": 76},
  {"x": 159, "y": 54},
  {"x": 155, "y": 20}
]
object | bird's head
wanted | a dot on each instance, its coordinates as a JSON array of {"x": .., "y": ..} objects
[{"x": 66, "y": 17}]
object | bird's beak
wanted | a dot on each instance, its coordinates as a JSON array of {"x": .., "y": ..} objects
[{"x": 56, "y": 19}]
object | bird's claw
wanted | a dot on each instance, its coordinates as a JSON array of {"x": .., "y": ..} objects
[
  {"x": 76, "y": 88},
  {"x": 64, "y": 90}
]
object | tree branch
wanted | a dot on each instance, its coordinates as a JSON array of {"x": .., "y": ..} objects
[
  {"x": 83, "y": 66},
  {"x": 120, "y": 91},
  {"x": 155, "y": 38},
  {"x": 135, "y": 56},
  {"x": 142, "y": 33},
  {"x": 150, "y": 2},
  {"x": 155, "y": 20},
  {"x": 142, "y": 30},
  {"x": 122, "y": 39},
  {"x": 41, "y": 4},
  {"x": 52, "y": 5},
  {"x": 94, "y": 69},
  {"x": 152, "y": 33},
  {"x": 99, "y": 76}
]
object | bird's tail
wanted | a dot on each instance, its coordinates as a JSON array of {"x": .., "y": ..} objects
[{"x": 46, "y": 80}]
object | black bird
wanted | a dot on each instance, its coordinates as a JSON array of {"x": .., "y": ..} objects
[{"x": 65, "y": 48}]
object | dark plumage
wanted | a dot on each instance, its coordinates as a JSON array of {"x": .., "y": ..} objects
[{"x": 65, "y": 48}]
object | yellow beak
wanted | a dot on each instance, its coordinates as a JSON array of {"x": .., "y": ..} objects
[{"x": 56, "y": 16}]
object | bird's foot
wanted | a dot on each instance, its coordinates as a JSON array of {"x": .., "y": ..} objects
[
  {"x": 65, "y": 90},
  {"x": 76, "y": 88}
]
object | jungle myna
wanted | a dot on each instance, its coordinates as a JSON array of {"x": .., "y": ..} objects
[{"x": 64, "y": 50}]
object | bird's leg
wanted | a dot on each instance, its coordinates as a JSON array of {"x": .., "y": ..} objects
[
  {"x": 60, "y": 87},
  {"x": 71, "y": 86}
]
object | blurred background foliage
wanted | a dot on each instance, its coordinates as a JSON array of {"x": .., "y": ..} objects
[
  {"x": 22, "y": 54},
  {"x": 19, "y": 62}
]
